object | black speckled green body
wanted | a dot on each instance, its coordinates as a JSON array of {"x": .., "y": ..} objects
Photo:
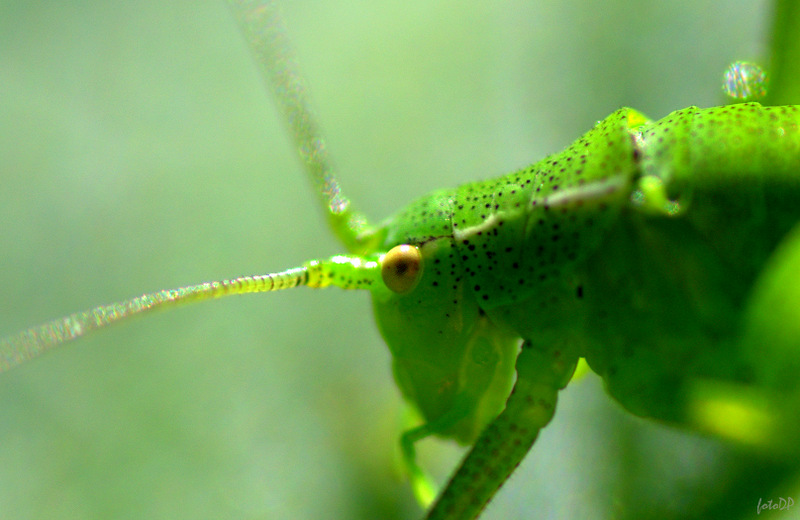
[
  {"x": 637, "y": 247},
  {"x": 520, "y": 232}
]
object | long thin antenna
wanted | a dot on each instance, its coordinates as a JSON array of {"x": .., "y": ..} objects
[
  {"x": 340, "y": 271},
  {"x": 265, "y": 32},
  {"x": 30, "y": 343}
]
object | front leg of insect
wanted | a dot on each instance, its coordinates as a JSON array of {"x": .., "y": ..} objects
[{"x": 541, "y": 373}]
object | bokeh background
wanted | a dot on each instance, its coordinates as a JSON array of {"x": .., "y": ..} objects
[{"x": 138, "y": 151}]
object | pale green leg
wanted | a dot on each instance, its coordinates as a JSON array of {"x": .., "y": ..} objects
[
  {"x": 422, "y": 484},
  {"x": 541, "y": 373}
]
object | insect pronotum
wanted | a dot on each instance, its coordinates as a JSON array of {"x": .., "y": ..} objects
[{"x": 96, "y": 222}]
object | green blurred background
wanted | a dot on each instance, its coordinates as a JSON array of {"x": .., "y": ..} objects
[{"x": 139, "y": 151}]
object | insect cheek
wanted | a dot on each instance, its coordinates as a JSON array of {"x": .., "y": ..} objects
[{"x": 401, "y": 268}]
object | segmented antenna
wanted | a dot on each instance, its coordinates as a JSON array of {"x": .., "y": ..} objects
[
  {"x": 345, "y": 272},
  {"x": 30, "y": 343}
]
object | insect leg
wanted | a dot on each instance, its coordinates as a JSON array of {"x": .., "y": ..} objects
[
  {"x": 541, "y": 373},
  {"x": 421, "y": 483}
]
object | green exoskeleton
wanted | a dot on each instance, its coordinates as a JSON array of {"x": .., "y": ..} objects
[{"x": 626, "y": 249}]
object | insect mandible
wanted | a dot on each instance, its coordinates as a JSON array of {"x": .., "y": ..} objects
[{"x": 137, "y": 284}]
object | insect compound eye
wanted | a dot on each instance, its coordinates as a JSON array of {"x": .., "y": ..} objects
[{"x": 401, "y": 268}]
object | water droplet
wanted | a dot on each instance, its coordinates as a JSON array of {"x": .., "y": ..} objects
[{"x": 745, "y": 81}]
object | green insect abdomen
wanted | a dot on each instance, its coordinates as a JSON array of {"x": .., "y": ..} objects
[{"x": 525, "y": 230}]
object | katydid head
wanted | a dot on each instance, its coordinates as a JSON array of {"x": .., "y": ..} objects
[
  {"x": 449, "y": 360},
  {"x": 481, "y": 248}
]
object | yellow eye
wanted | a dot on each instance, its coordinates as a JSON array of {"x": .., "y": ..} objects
[{"x": 401, "y": 268}]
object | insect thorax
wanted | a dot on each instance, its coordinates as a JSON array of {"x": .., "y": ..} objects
[{"x": 520, "y": 233}]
